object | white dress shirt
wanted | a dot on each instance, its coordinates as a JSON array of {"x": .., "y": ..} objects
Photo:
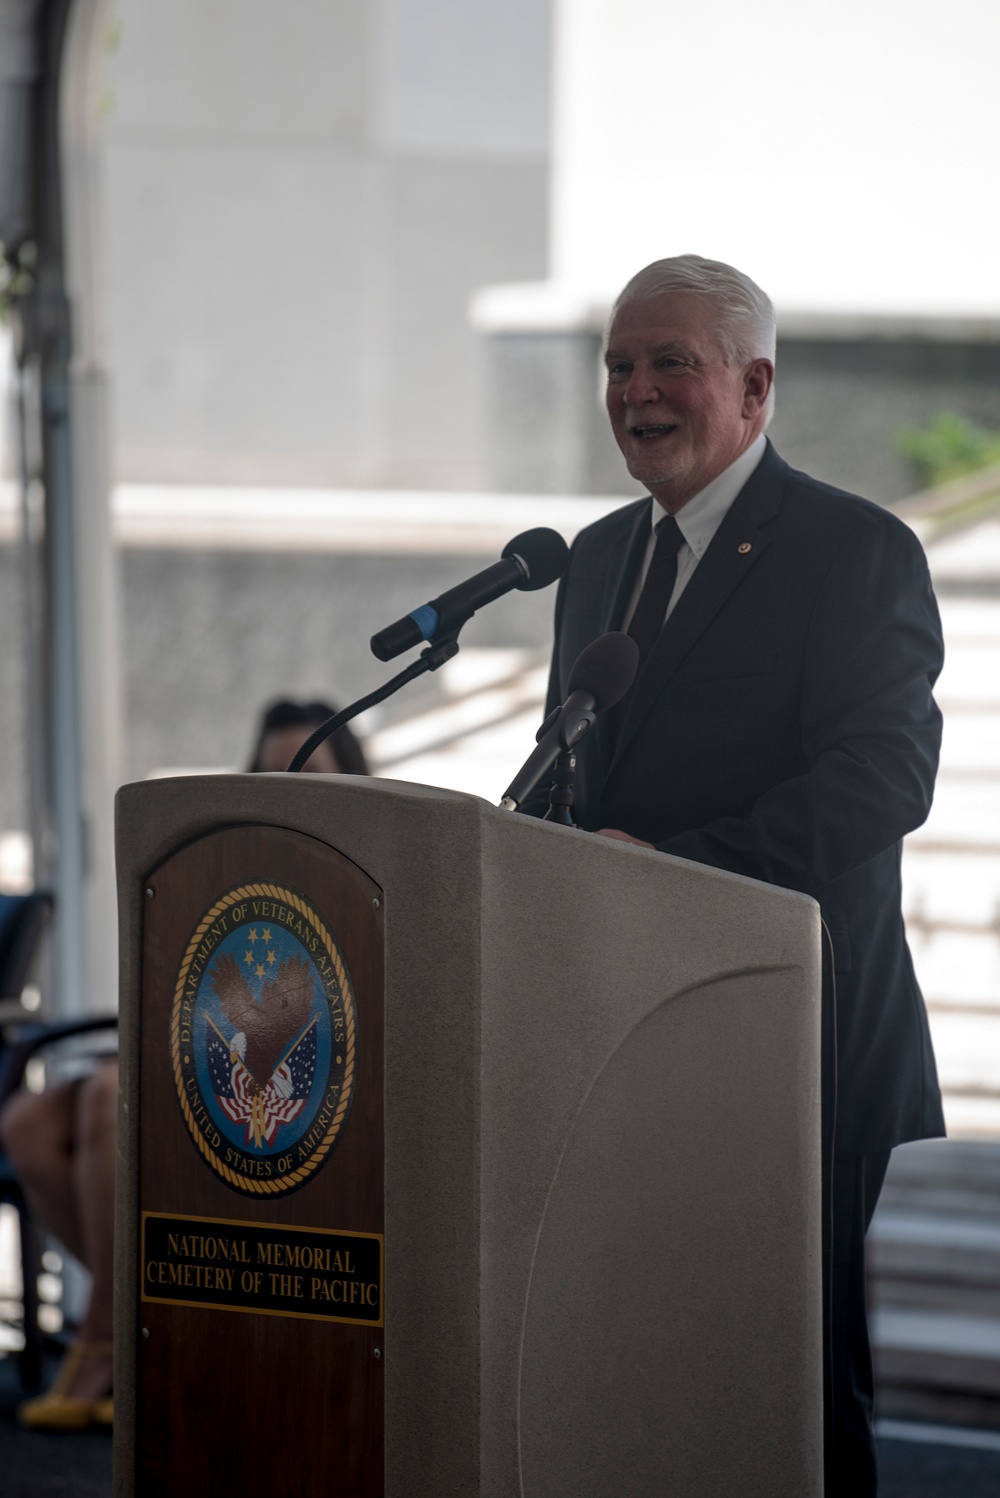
[{"x": 698, "y": 520}]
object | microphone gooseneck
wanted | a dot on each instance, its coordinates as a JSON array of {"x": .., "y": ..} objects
[{"x": 534, "y": 559}]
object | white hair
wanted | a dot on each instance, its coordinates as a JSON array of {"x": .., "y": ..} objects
[{"x": 744, "y": 313}]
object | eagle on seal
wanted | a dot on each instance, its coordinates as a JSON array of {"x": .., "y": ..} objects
[{"x": 269, "y": 1025}]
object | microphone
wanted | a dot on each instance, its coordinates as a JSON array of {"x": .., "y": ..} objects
[
  {"x": 532, "y": 560},
  {"x": 601, "y": 675}
]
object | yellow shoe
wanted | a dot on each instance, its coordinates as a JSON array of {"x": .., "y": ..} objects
[
  {"x": 104, "y": 1411},
  {"x": 57, "y": 1410}
]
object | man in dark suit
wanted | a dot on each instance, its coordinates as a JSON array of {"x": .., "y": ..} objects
[{"x": 781, "y": 725}]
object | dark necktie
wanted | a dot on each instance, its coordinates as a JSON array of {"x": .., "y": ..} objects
[{"x": 651, "y": 609}]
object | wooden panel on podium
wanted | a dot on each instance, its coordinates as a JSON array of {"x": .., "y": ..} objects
[{"x": 260, "y": 1190}]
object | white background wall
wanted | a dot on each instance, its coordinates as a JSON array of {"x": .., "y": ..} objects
[{"x": 845, "y": 155}]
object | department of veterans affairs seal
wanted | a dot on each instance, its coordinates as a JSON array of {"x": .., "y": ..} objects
[{"x": 263, "y": 1037}]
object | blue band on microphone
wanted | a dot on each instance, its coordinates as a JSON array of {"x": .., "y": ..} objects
[{"x": 427, "y": 621}]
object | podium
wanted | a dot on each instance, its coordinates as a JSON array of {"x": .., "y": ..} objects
[{"x": 460, "y": 1153}]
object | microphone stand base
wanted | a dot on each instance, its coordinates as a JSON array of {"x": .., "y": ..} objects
[{"x": 561, "y": 795}]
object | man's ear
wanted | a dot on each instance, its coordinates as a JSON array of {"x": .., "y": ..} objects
[{"x": 757, "y": 386}]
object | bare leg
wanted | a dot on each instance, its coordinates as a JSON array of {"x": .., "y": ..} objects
[
  {"x": 38, "y": 1133},
  {"x": 62, "y": 1144},
  {"x": 97, "y": 1136},
  {"x": 94, "y": 1190}
]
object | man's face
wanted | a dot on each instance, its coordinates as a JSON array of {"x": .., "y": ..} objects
[{"x": 679, "y": 412}]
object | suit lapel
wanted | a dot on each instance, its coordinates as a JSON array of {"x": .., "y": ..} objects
[
  {"x": 629, "y": 546},
  {"x": 736, "y": 547}
]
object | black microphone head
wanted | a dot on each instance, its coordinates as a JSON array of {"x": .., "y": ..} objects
[
  {"x": 542, "y": 553},
  {"x": 606, "y": 668}
]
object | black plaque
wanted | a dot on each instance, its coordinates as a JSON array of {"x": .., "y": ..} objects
[{"x": 317, "y": 1274}]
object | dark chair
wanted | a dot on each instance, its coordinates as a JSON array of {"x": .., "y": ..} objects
[{"x": 23, "y": 922}]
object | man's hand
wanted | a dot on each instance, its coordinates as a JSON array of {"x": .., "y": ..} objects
[{"x": 622, "y": 837}]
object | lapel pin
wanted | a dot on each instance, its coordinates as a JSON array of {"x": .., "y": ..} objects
[{"x": 743, "y": 548}]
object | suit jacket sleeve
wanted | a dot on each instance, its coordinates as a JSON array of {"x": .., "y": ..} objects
[{"x": 869, "y": 727}]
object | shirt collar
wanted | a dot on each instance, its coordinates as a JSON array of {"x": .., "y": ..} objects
[{"x": 701, "y": 517}]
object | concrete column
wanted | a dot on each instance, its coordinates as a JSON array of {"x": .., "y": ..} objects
[{"x": 85, "y": 648}]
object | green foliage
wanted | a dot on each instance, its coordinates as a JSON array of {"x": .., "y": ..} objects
[{"x": 947, "y": 447}]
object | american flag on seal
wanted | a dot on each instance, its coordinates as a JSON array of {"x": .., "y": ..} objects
[
  {"x": 262, "y": 1074},
  {"x": 262, "y": 1110}
]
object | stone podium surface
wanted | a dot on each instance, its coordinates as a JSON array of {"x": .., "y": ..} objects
[{"x": 593, "y": 1266}]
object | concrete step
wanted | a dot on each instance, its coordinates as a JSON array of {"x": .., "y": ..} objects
[
  {"x": 967, "y": 1048},
  {"x": 934, "y": 1282},
  {"x": 938, "y": 1350},
  {"x": 923, "y": 1245},
  {"x": 976, "y": 1412},
  {"x": 945, "y": 1176},
  {"x": 964, "y": 811},
  {"x": 949, "y": 1296},
  {"x": 934, "y": 1247},
  {"x": 971, "y": 1115}
]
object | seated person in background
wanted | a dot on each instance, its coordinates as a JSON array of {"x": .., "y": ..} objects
[
  {"x": 285, "y": 727},
  {"x": 62, "y": 1142}
]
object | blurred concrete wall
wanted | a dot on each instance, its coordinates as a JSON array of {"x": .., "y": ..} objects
[
  {"x": 844, "y": 387},
  {"x": 301, "y": 198},
  {"x": 211, "y": 637},
  {"x": 842, "y": 394}
]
